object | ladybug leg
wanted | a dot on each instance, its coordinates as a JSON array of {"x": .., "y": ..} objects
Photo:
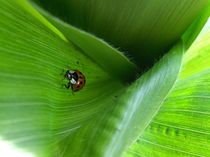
[
  {"x": 63, "y": 73},
  {"x": 68, "y": 85},
  {"x": 72, "y": 90}
]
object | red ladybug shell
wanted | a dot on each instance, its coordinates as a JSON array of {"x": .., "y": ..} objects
[{"x": 80, "y": 82}]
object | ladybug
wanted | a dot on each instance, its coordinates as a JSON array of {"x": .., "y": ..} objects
[{"x": 76, "y": 80}]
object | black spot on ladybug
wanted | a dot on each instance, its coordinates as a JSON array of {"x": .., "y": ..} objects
[
  {"x": 80, "y": 77},
  {"x": 81, "y": 82},
  {"x": 78, "y": 86}
]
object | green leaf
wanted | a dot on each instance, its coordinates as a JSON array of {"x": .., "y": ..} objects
[
  {"x": 98, "y": 50},
  {"x": 143, "y": 100},
  {"x": 36, "y": 112},
  {"x": 93, "y": 47},
  {"x": 192, "y": 32},
  {"x": 106, "y": 117},
  {"x": 181, "y": 127},
  {"x": 142, "y": 29}
]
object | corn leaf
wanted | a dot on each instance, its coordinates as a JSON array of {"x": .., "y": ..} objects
[
  {"x": 143, "y": 29},
  {"x": 181, "y": 126},
  {"x": 164, "y": 112}
]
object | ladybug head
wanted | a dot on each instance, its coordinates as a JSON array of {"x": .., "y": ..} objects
[{"x": 72, "y": 76}]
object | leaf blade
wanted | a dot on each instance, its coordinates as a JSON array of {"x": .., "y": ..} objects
[
  {"x": 143, "y": 29},
  {"x": 181, "y": 128},
  {"x": 107, "y": 57},
  {"x": 36, "y": 112}
]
